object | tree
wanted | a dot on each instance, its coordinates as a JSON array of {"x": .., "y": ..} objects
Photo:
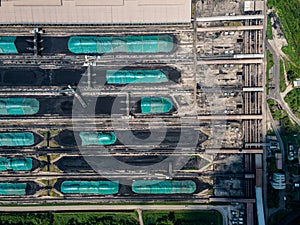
[
  {"x": 292, "y": 76},
  {"x": 165, "y": 222},
  {"x": 172, "y": 216}
]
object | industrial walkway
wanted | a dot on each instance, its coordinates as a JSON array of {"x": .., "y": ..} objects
[
  {"x": 230, "y": 28},
  {"x": 230, "y": 61},
  {"x": 230, "y": 117},
  {"x": 234, "y": 151},
  {"x": 224, "y": 18}
]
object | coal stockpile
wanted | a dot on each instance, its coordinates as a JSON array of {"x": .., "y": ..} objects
[
  {"x": 38, "y": 77},
  {"x": 50, "y": 45},
  {"x": 72, "y": 164}
]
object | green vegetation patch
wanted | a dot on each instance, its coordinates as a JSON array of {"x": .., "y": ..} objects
[
  {"x": 292, "y": 71},
  {"x": 273, "y": 195},
  {"x": 25, "y": 219},
  {"x": 272, "y": 165},
  {"x": 270, "y": 64},
  {"x": 97, "y": 218},
  {"x": 78, "y": 218},
  {"x": 269, "y": 29},
  {"x": 182, "y": 217},
  {"x": 46, "y": 182},
  {"x": 290, "y": 133},
  {"x": 54, "y": 194},
  {"x": 289, "y": 15},
  {"x": 293, "y": 99},
  {"x": 282, "y": 79},
  {"x": 278, "y": 216},
  {"x": 270, "y": 60},
  {"x": 276, "y": 112}
]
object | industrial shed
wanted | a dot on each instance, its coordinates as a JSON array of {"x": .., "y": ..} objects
[{"x": 72, "y": 12}]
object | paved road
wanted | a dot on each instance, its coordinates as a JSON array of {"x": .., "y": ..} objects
[
  {"x": 275, "y": 93},
  {"x": 140, "y": 216},
  {"x": 287, "y": 90},
  {"x": 224, "y": 210},
  {"x": 276, "y": 130}
]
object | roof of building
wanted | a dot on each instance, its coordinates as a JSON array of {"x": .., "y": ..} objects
[
  {"x": 19, "y": 106},
  {"x": 97, "y": 138},
  {"x": 164, "y": 187},
  {"x": 278, "y": 157},
  {"x": 14, "y": 139},
  {"x": 13, "y": 188},
  {"x": 250, "y": 6},
  {"x": 278, "y": 177},
  {"x": 278, "y": 185},
  {"x": 16, "y": 164},
  {"x": 278, "y": 181},
  {"x": 89, "y": 187},
  {"x": 94, "y": 11},
  {"x": 114, "y": 44},
  {"x": 259, "y": 5},
  {"x": 258, "y": 177},
  {"x": 260, "y": 206},
  {"x": 7, "y": 45},
  {"x": 296, "y": 83}
]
